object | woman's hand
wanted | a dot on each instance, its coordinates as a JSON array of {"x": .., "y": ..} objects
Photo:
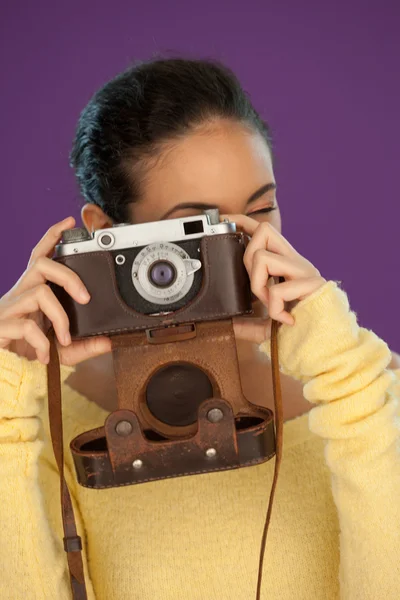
[
  {"x": 269, "y": 255},
  {"x": 25, "y": 309}
]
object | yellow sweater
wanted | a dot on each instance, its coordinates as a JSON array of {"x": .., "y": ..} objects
[{"x": 335, "y": 530}]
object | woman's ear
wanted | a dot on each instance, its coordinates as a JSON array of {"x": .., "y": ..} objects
[{"x": 93, "y": 218}]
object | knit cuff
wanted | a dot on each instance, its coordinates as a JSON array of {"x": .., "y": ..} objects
[{"x": 324, "y": 329}]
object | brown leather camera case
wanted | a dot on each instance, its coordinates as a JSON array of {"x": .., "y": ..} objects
[{"x": 137, "y": 445}]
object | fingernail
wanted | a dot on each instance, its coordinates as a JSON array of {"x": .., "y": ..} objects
[
  {"x": 67, "y": 339},
  {"x": 84, "y": 295}
]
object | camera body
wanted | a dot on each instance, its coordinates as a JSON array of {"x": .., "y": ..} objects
[{"x": 152, "y": 274}]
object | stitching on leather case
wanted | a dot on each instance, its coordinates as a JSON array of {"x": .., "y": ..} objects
[{"x": 247, "y": 463}]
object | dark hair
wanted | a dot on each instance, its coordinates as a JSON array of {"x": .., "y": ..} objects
[{"x": 152, "y": 103}]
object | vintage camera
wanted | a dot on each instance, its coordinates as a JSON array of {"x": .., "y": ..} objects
[
  {"x": 164, "y": 272},
  {"x": 158, "y": 267}
]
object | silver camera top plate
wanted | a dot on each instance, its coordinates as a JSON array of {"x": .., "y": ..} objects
[{"x": 118, "y": 237}]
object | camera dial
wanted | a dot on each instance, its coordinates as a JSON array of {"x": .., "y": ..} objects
[
  {"x": 163, "y": 272},
  {"x": 106, "y": 240}
]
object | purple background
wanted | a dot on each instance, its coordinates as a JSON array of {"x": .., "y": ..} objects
[{"x": 324, "y": 74}]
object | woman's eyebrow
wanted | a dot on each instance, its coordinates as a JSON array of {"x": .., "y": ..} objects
[
  {"x": 263, "y": 190},
  {"x": 202, "y": 206}
]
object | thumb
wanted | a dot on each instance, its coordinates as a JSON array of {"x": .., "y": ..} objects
[
  {"x": 83, "y": 350},
  {"x": 251, "y": 329}
]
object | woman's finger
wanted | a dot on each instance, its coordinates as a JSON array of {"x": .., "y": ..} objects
[
  {"x": 18, "y": 329},
  {"x": 266, "y": 264},
  {"x": 84, "y": 349},
  {"x": 41, "y": 298},
  {"x": 44, "y": 269},
  {"x": 50, "y": 239},
  {"x": 243, "y": 223},
  {"x": 288, "y": 291},
  {"x": 266, "y": 237}
]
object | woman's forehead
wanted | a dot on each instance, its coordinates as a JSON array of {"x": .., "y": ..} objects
[{"x": 219, "y": 168}]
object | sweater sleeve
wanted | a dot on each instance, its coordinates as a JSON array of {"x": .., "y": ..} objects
[
  {"x": 34, "y": 564},
  {"x": 344, "y": 371}
]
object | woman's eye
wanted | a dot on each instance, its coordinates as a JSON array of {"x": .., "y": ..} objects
[{"x": 262, "y": 211}]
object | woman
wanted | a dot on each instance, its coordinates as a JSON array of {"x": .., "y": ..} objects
[{"x": 165, "y": 139}]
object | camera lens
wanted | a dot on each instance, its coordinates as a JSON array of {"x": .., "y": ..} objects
[{"x": 162, "y": 273}]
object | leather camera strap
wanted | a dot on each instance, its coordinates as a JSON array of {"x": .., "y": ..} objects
[
  {"x": 276, "y": 382},
  {"x": 72, "y": 542}
]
